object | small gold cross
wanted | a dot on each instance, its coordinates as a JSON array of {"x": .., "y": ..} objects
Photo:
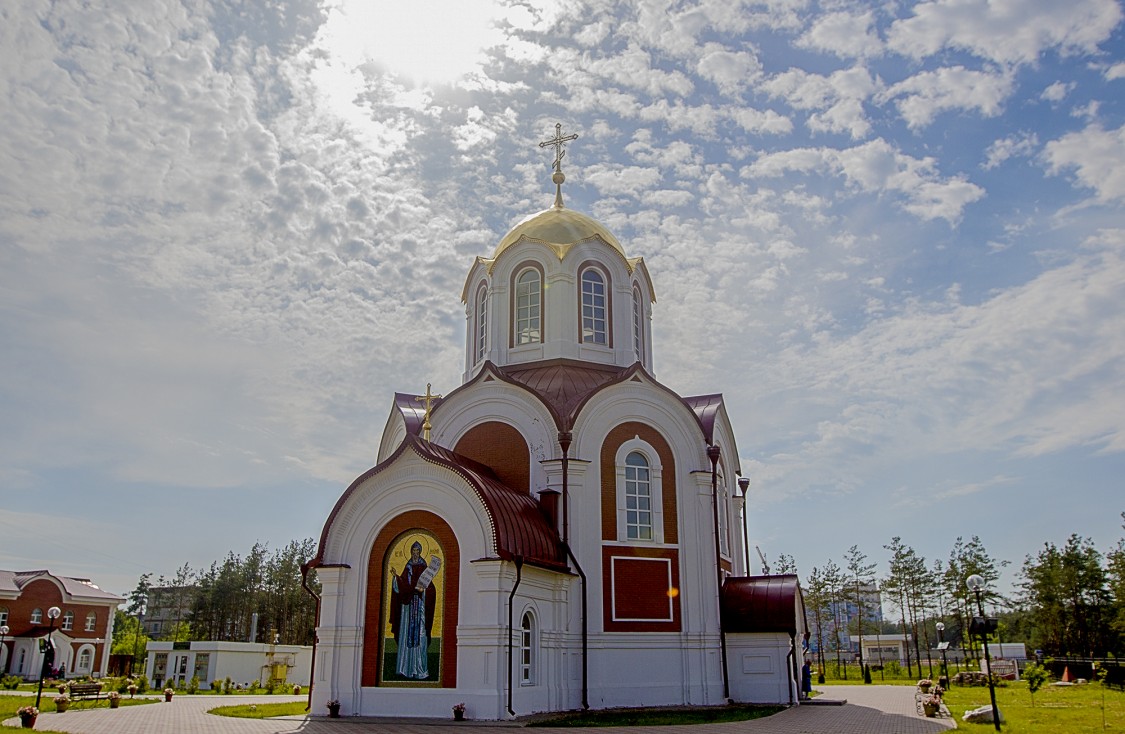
[{"x": 428, "y": 401}]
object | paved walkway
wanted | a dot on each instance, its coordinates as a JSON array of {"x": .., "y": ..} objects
[{"x": 870, "y": 710}]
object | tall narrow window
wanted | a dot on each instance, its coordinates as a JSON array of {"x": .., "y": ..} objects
[
  {"x": 638, "y": 497},
  {"x": 638, "y": 326},
  {"x": 528, "y": 301},
  {"x": 3, "y": 615},
  {"x": 482, "y": 323},
  {"x": 527, "y": 650},
  {"x": 37, "y": 616},
  {"x": 84, "y": 660},
  {"x": 593, "y": 308},
  {"x": 724, "y": 519},
  {"x": 91, "y": 621},
  {"x": 68, "y": 621}
]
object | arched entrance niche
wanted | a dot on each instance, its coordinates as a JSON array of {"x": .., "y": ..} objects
[{"x": 396, "y": 614}]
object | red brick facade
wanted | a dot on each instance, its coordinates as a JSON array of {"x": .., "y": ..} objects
[
  {"x": 502, "y": 448},
  {"x": 42, "y": 594}
]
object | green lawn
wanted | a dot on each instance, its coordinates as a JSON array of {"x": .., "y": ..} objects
[
  {"x": 1070, "y": 709},
  {"x": 9, "y": 703},
  {"x": 262, "y": 710}
]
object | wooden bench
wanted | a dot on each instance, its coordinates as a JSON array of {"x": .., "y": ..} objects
[{"x": 85, "y": 691}]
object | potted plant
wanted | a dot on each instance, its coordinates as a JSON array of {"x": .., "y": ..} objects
[
  {"x": 132, "y": 689},
  {"x": 62, "y": 688},
  {"x": 61, "y": 703},
  {"x": 27, "y": 715},
  {"x": 924, "y": 685},
  {"x": 931, "y": 704},
  {"x": 168, "y": 694},
  {"x": 333, "y": 709},
  {"x": 114, "y": 699},
  {"x": 297, "y": 690},
  {"x": 459, "y": 711}
]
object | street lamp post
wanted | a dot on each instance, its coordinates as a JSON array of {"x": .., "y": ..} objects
[
  {"x": 941, "y": 646},
  {"x": 3, "y": 634},
  {"x": 48, "y": 652},
  {"x": 976, "y": 583}
]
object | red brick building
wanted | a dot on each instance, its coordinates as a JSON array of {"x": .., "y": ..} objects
[{"x": 83, "y": 632}]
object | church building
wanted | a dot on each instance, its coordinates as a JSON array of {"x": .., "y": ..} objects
[{"x": 561, "y": 531}]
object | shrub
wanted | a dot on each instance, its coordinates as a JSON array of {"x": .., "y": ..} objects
[
  {"x": 10, "y": 682},
  {"x": 216, "y": 686},
  {"x": 193, "y": 685},
  {"x": 227, "y": 685},
  {"x": 253, "y": 686}
]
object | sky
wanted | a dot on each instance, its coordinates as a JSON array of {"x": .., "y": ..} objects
[{"x": 891, "y": 234}]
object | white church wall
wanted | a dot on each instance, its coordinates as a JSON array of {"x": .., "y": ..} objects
[
  {"x": 498, "y": 401},
  {"x": 759, "y": 668}
]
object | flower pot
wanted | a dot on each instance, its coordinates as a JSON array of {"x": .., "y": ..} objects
[
  {"x": 115, "y": 703},
  {"x": 28, "y": 722},
  {"x": 334, "y": 711},
  {"x": 458, "y": 715},
  {"x": 930, "y": 710},
  {"x": 167, "y": 697},
  {"x": 62, "y": 706}
]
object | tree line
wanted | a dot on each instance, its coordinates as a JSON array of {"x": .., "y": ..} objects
[
  {"x": 1069, "y": 600},
  {"x": 219, "y": 602}
]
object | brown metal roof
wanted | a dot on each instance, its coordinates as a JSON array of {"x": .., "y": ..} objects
[
  {"x": 763, "y": 604},
  {"x": 564, "y": 387},
  {"x": 706, "y": 409},
  {"x": 520, "y": 528}
]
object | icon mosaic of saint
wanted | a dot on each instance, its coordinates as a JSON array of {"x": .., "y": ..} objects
[{"x": 412, "y": 610}]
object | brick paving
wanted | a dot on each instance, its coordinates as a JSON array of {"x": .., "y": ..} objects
[{"x": 869, "y": 710}]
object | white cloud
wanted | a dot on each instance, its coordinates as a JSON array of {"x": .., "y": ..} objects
[
  {"x": 1116, "y": 71},
  {"x": 875, "y": 167},
  {"x": 622, "y": 180},
  {"x": 838, "y": 98},
  {"x": 923, "y": 96},
  {"x": 1022, "y": 144},
  {"x": 1097, "y": 157},
  {"x": 845, "y": 34},
  {"x": 1005, "y": 31},
  {"x": 1057, "y": 92},
  {"x": 730, "y": 71}
]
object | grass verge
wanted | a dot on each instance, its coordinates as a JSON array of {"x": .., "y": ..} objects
[{"x": 261, "y": 710}]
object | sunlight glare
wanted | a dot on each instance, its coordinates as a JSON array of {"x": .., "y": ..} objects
[{"x": 425, "y": 41}]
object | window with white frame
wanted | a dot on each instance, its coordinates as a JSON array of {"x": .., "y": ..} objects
[
  {"x": 37, "y": 616},
  {"x": 640, "y": 515},
  {"x": 638, "y": 326},
  {"x": 68, "y": 621},
  {"x": 527, "y": 650},
  {"x": 594, "y": 329},
  {"x": 529, "y": 296},
  {"x": 3, "y": 615},
  {"x": 482, "y": 323},
  {"x": 91, "y": 621},
  {"x": 85, "y": 657}
]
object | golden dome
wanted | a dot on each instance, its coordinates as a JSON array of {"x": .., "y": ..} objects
[{"x": 560, "y": 229}]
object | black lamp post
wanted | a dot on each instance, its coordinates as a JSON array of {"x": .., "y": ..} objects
[
  {"x": 941, "y": 646},
  {"x": 976, "y": 583},
  {"x": 48, "y": 652},
  {"x": 3, "y": 634}
]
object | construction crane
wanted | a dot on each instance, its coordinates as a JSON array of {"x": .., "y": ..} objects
[{"x": 765, "y": 566}]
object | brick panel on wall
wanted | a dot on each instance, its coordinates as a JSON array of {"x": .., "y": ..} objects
[
  {"x": 503, "y": 449},
  {"x": 619, "y": 435},
  {"x": 639, "y": 595}
]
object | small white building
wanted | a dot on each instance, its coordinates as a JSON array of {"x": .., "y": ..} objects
[
  {"x": 881, "y": 649},
  {"x": 242, "y": 662}
]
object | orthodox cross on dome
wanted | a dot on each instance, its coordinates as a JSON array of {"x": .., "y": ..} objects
[
  {"x": 558, "y": 177},
  {"x": 428, "y": 401}
]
